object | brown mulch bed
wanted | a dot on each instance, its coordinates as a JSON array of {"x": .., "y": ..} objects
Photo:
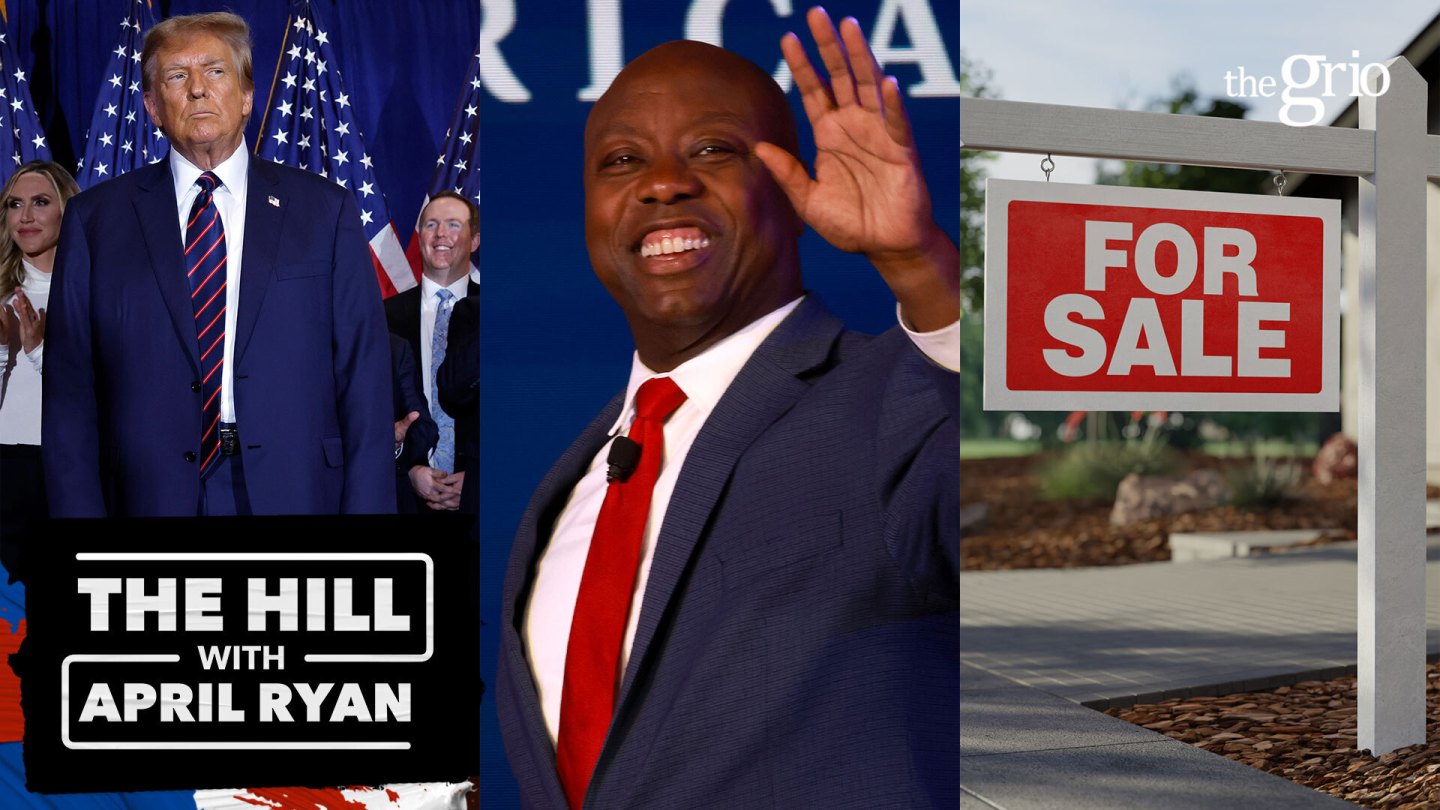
[
  {"x": 1024, "y": 530},
  {"x": 1306, "y": 733}
]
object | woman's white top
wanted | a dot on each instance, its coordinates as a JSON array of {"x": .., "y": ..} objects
[{"x": 20, "y": 370}]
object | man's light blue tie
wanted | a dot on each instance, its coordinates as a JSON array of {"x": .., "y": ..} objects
[{"x": 444, "y": 458}]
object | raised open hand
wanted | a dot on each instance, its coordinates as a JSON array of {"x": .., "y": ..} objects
[{"x": 868, "y": 194}]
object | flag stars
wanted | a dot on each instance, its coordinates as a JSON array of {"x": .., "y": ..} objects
[
  {"x": 39, "y": 141},
  {"x": 367, "y": 189},
  {"x": 366, "y": 218},
  {"x": 470, "y": 110},
  {"x": 135, "y": 56},
  {"x": 106, "y": 139},
  {"x": 17, "y": 105},
  {"x": 284, "y": 108},
  {"x": 342, "y": 100},
  {"x": 320, "y": 67},
  {"x": 365, "y": 161},
  {"x": 281, "y": 136},
  {"x": 322, "y": 38},
  {"x": 110, "y": 110},
  {"x": 128, "y": 147},
  {"x": 101, "y": 168},
  {"x": 309, "y": 85},
  {"x": 19, "y": 75},
  {"x": 294, "y": 53},
  {"x": 341, "y": 158},
  {"x": 130, "y": 116},
  {"x": 341, "y": 181},
  {"x": 299, "y": 23},
  {"x": 475, "y": 82},
  {"x": 460, "y": 164},
  {"x": 134, "y": 87},
  {"x": 304, "y": 142},
  {"x": 120, "y": 51},
  {"x": 307, "y": 113},
  {"x": 289, "y": 80},
  {"x": 343, "y": 129},
  {"x": 466, "y": 137},
  {"x": 309, "y": 56},
  {"x": 115, "y": 80}
]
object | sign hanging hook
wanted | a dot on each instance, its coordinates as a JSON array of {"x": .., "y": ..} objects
[
  {"x": 1047, "y": 166},
  {"x": 1280, "y": 183}
]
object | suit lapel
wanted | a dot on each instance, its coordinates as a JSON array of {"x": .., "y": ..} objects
[
  {"x": 534, "y": 530},
  {"x": 767, "y": 387},
  {"x": 159, "y": 217},
  {"x": 263, "y": 221}
]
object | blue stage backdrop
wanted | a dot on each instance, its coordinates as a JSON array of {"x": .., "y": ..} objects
[
  {"x": 555, "y": 346},
  {"x": 403, "y": 65}
]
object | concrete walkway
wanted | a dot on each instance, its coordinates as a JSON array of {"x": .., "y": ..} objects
[{"x": 1035, "y": 644}]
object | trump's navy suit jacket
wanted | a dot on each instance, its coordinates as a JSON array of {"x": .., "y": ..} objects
[
  {"x": 798, "y": 641},
  {"x": 121, "y": 423}
]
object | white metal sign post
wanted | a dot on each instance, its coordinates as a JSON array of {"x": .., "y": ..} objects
[
  {"x": 1391, "y": 587},
  {"x": 1393, "y": 156}
]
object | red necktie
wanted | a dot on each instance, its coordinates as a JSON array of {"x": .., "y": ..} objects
[
  {"x": 205, "y": 268},
  {"x": 592, "y": 676}
]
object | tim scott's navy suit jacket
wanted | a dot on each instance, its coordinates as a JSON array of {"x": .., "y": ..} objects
[
  {"x": 311, "y": 360},
  {"x": 798, "y": 642}
]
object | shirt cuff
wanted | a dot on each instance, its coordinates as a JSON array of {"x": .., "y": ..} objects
[
  {"x": 942, "y": 346},
  {"x": 36, "y": 357}
]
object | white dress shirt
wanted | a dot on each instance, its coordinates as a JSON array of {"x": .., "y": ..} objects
[
  {"x": 704, "y": 379},
  {"x": 229, "y": 199},
  {"x": 20, "y": 374}
]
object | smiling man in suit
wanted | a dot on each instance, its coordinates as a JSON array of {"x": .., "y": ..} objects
[
  {"x": 449, "y": 233},
  {"x": 217, "y": 344},
  {"x": 749, "y": 599}
]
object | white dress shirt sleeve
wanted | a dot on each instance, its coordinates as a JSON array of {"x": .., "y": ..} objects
[{"x": 942, "y": 346}]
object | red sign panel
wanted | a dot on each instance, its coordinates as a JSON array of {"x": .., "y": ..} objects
[{"x": 1102, "y": 297}]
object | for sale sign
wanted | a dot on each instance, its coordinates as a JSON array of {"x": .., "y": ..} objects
[{"x": 1109, "y": 298}]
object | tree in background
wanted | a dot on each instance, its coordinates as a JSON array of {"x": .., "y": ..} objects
[{"x": 974, "y": 81}]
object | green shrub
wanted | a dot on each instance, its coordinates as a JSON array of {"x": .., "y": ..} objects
[
  {"x": 1266, "y": 482},
  {"x": 1093, "y": 470}
]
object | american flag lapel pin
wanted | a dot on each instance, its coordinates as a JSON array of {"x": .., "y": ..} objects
[{"x": 275, "y": 201}]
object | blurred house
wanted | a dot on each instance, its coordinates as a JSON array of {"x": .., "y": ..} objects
[{"x": 1424, "y": 53}]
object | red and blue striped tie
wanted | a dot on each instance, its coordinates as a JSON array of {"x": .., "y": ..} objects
[{"x": 205, "y": 267}]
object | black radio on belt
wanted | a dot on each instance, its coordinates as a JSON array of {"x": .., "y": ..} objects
[{"x": 229, "y": 440}]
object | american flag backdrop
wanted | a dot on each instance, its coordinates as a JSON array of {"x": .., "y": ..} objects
[
  {"x": 458, "y": 167},
  {"x": 309, "y": 123},
  {"x": 121, "y": 136},
  {"x": 21, "y": 138}
]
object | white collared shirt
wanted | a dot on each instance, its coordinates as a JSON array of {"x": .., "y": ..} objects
[
  {"x": 229, "y": 199},
  {"x": 704, "y": 379}
]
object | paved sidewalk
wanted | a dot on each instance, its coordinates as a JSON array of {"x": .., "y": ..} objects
[
  {"x": 1124, "y": 634},
  {"x": 1034, "y": 644}
]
